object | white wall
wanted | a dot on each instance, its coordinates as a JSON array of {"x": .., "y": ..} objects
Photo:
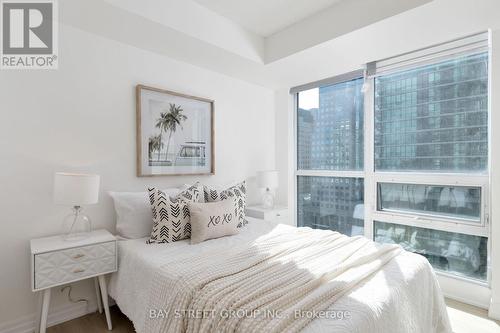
[
  {"x": 285, "y": 142},
  {"x": 438, "y": 21},
  {"x": 81, "y": 117}
]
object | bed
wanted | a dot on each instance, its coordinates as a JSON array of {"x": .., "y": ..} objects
[{"x": 402, "y": 295}]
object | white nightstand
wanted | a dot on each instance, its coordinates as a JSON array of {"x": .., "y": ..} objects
[
  {"x": 55, "y": 262},
  {"x": 277, "y": 214}
]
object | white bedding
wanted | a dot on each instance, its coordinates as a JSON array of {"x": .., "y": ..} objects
[{"x": 402, "y": 297}]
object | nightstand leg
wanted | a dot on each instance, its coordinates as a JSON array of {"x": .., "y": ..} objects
[
  {"x": 98, "y": 294},
  {"x": 45, "y": 310},
  {"x": 104, "y": 293},
  {"x": 39, "y": 311}
]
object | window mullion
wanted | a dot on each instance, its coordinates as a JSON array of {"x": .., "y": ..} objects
[
  {"x": 331, "y": 173},
  {"x": 432, "y": 178},
  {"x": 369, "y": 162},
  {"x": 430, "y": 223}
]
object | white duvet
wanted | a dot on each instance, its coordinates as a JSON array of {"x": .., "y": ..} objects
[{"x": 402, "y": 296}]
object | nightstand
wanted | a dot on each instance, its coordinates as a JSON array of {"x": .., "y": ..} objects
[
  {"x": 278, "y": 214},
  {"x": 55, "y": 262}
]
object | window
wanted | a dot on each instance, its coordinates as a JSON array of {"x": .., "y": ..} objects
[
  {"x": 450, "y": 252},
  {"x": 411, "y": 165},
  {"x": 433, "y": 200},
  {"x": 431, "y": 161},
  {"x": 434, "y": 117},
  {"x": 333, "y": 203},
  {"x": 330, "y": 127},
  {"x": 330, "y": 141}
]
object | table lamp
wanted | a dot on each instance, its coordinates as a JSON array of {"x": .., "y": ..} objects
[
  {"x": 76, "y": 190},
  {"x": 268, "y": 180}
]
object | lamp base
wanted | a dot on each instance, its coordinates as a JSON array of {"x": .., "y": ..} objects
[
  {"x": 268, "y": 199},
  {"x": 77, "y": 226}
]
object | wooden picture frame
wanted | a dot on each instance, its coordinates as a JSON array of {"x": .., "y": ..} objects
[{"x": 172, "y": 132}]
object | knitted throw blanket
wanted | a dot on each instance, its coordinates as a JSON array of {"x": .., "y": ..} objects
[{"x": 265, "y": 286}]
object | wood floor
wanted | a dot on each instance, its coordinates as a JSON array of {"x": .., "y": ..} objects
[
  {"x": 464, "y": 319},
  {"x": 95, "y": 323}
]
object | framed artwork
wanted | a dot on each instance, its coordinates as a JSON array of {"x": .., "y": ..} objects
[{"x": 175, "y": 133}]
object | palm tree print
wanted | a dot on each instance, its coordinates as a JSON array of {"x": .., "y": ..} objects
[
  {"x": 168, "y": 122},
  {"x": 176, "y": 118},
  {"x": 163, "y": 124},
  {"x": 155, "y": 144}
]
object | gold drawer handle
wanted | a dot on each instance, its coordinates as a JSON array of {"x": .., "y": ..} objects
[
  {"x": 78, "y": 256},
  {"x": 76, "y": 271}
]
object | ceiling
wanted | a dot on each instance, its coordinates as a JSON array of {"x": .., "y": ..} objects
[
  {"x": 266, "y": 17},
  {"x": 338, "y": 38}
]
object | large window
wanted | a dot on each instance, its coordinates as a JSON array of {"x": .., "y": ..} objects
[
  {"x": 433, "y": 117},
  {"x": 431, "y": 161},
  {"x": 330, "y": 157},
  {"x": 402, "y": 155},
  {"x": 330, "y": 127}
]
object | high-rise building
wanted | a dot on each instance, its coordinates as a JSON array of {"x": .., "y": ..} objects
[
  {"x": 433, "y": 117},
  {"x": 336, "y": 143}
]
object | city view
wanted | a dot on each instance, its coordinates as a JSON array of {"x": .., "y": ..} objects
[
  {"x": 433, "y": 118},
  {"x": 330, "y": 137}
]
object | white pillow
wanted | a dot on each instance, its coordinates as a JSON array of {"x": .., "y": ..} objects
[
  {"x": 134, "y": 218},
  {"x": 213, "y": 220}
]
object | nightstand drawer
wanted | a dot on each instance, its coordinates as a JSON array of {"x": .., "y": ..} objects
[{"x": 58, "y": 267}]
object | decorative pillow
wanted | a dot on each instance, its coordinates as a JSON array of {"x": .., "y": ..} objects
[
  {"x": 171, "y": 214},
  {"x": 213, "y": 220},
  {"x": 133, "y": 213},
  {"x": 237, "y": 192}
]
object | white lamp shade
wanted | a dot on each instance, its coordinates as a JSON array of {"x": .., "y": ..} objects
[
  {"x": 76, "y": 189},
  {"x": 267, "y": 179}
]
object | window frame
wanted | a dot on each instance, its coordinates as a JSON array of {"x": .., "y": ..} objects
[
  {"x": 477, "y": 179},
  {"x": 442, "y": 222},
  {"x": 357, "y": 74},
  {"x": 372, "y": 178},
  {"x": 450, "y": 224}
]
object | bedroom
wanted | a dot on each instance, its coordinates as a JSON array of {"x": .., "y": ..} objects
[{"x": 370, "y": 119}]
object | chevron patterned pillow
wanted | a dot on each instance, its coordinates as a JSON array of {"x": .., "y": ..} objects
[
  {"x": 238, "y": 191},
  {"x": 171, "y": 214}
]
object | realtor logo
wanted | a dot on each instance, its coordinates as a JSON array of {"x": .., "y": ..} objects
[{"x": 29, "y": 34}]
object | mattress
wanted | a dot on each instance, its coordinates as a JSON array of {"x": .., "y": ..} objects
[{"x": 401, "y": 297}]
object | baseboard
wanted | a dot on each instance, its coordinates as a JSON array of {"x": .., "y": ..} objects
[{"x": 26, "y": 324}]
